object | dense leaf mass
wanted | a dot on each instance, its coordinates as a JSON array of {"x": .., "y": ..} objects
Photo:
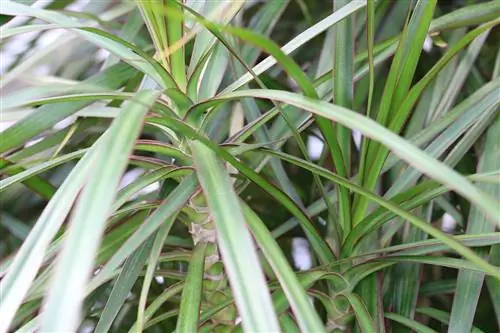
[{"x": 256, "y": 166}]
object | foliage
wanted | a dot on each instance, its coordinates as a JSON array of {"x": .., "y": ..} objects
[{"x": 202, "y": 99}]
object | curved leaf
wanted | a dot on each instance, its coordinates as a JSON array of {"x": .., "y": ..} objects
[{"x": 399, "y": 146}]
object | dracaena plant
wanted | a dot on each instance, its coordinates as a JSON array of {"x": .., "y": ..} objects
[{"x": 230, "y": 222}]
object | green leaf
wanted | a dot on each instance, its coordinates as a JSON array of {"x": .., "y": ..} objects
[
  {"x": 298, "y": 41},
  {"x": 462, "y": 117},
  {"x": 164, "y": 149},
  {"x": 370, "y": 36},
  {"x": 189, "y": 310},
  {"x": 383, "y": 262},
  {"x": 14, "y": 226},
  {"x": 399, "y": 118},
  {"x": 129, "y": 31},
  {"x": 110, "y": 42},
  {"x": 442, "y": 316},
  {"x": 37, "y": 184},
  {"x": 291, "y": 67},
  {"x": 165, "y": 213},
  {"x": 144, "y": 180},
  {"x": 396, "y": 88},
  {"x": 459, "y": 76},
  {"x": 22, "y": 271},
  {"x": 238, "y": 251},
  {"x": 343, "y": 86},
  {"x": 469, "y": 284},
  {"x": 175, "y": 45},
  {"x": 414, "y": 325},
  {"x": 319, "y": 246},
  {"x": 251, "y": 113},
  {"x": 263, "y": 22},
  {"x": 47, "y": 116},
  {"x": 433, "y": 245},
  {"x": 492, "y": 283},
  {"x": 77, "y": 257},
  {"x": 343, "y": 80},
  {"x": 305, "y": 313},
  {"x": 49, "y": 141},
  {"x": 21, "y": 176},
  {"x": 170, "y": 292},
  {"x": 122, "y": 286},
  {"x": 11, "y": 32},
  {"x": 468, "y": 15},
  {"x": 220, "y": 12},
  {"x": 400, "y": 147},
  {"x": 450, "y": 241},
  {"x": 153, "y": 260},
  {"x": 365, "y": 321},
  {"x": 287, "y": 324},
  {"x": 406, "y": 280},
  {"x": 436, "y": 288}
]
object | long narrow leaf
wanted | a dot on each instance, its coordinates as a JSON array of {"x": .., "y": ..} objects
[
  {"x": 189, "y": 310},
  {"x": 62, "y": 309},
  {"x": 123, "y": 284},
  {"x": 406, "y": 151},
  {"x": 469, "y": 284},
  {"x": 236, "y": 246},
  {"x": 304, "y": 312}
]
